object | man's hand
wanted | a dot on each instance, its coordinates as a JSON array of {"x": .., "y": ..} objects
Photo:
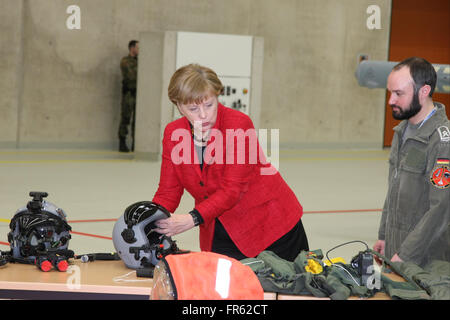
[
  {"x": 379, "y": 247},
  {"x": 396, "y": 258},
  {"x": 176, "y": 224}
]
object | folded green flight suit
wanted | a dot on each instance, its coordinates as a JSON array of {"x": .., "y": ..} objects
[
  {"x": 277, "y": 274},
  {"x": 340, "y": 281},
  {"x": 434, "y": 278},
  {"x": 282, "y": 276}
]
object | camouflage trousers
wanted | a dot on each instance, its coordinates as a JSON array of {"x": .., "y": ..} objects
[{"x": 127, "y": 114}]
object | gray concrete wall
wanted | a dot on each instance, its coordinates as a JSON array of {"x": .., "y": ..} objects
[
  {"x": 10, "y": 70},
  {"x": 61, "y": 88},
  {"x": 155, "y": 56}
]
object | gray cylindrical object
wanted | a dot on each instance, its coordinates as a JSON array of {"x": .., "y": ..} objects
[{"x": 374, "y": 74}]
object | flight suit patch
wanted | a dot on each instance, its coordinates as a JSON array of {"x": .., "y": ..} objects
[
  {"x": 440, "y": 176},
  {"x": 444, "y": 133}
]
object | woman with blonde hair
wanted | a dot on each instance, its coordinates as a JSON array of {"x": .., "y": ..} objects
[{"x": 240, "y": 209}]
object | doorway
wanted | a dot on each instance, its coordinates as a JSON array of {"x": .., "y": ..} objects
[{"x": 418, "y": 28}]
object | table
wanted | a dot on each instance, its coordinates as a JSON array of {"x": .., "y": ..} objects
[
  {"x": 96, "y": 280},
  {"x": 91, "y": 280}
]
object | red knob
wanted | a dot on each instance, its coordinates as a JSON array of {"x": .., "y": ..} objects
[
  {"x": 45, "y": 266},
  {"x": 62, "y": 265}
]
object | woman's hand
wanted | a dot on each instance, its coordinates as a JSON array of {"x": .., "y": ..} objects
[{"x": 176, "y": 224}]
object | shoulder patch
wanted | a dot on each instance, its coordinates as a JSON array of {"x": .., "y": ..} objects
[
  {"x": 444, "y": 133},
  {"x": 440, "y": 176}
]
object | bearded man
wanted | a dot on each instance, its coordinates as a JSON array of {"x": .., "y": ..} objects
[{"x": 415, "y": 221}]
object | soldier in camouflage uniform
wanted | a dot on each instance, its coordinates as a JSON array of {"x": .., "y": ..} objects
[{"x": 128, "y": 67}]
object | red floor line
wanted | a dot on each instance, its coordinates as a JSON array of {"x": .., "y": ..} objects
[
  {"x": 318, "y": 211},
  {"x": 92, "y": 220},
  {"x": 345, "y": 211},
  {"x": 90, "y": 235},
  {"x": 111, "y": 220},
  {"x": 74, "y": 232}
]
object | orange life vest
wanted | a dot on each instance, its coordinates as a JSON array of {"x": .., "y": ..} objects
[{"x": 211, "y": 276}]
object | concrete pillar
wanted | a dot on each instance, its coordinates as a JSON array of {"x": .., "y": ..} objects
[{"x": 153, "y": 108}]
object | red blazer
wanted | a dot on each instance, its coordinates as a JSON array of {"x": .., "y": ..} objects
[{"x": 255, "y": 209}]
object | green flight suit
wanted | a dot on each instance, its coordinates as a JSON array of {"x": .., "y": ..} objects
[
  {"x": 340, "y": 281},
  {"x": 416, "y": 213},
  {"x": 434, "y": 277}
]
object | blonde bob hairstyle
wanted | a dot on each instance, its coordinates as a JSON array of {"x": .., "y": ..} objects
[{"x": 193, "y": 83}]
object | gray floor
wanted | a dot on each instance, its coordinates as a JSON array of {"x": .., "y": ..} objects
[{"x": 342, "y": 192}]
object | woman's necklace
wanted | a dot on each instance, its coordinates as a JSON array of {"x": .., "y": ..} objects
[{"x": 202, "y": 141}]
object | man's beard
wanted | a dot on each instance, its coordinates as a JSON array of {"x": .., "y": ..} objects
[{"x": 414, "y": 108}]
